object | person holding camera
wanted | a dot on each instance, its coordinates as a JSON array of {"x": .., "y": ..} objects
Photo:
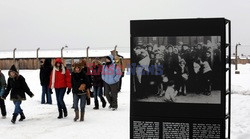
[{"x": 80, "y": 89}]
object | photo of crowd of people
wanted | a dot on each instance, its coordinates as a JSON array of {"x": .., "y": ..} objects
[{"x": 183, "y": 69}]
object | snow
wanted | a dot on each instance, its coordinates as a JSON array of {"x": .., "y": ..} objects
[
  {"x": 41, "y": 120},
  {"x": 240, "y": 82}
]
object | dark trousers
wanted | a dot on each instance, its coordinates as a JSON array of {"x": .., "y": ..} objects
[
  {"x": 82, "y": 98},
  {"x": 98, "y": 93},
  {"x": 111, "y": 91},
  {"x": 3, "y": 108},
  {"x": 46, "y": 94},
  {"x": 120, "y": 82},
  {"x": 60, "y": 92},
  {"x": 18, "y": 109}
]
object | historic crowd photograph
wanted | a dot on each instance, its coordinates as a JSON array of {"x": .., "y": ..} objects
[{"x": 179, "y": 69}]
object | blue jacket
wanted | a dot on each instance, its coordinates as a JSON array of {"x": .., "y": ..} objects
[{"x": 111, "y": 74}]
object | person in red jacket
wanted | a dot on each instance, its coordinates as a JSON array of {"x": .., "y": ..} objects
[{"x": 60, "y": 79}]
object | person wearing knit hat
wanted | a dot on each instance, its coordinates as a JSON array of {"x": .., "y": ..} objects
[
  {"x": 60, "y": 80},
  {"x": 80, "y": 86},
  {"x": 2, "y": 88},
  {"x": 111, "y": 75},
  {"x": 18, "y": 87}
]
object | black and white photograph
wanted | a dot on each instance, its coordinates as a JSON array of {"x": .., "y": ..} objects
[{"x": 176, "y": 69}]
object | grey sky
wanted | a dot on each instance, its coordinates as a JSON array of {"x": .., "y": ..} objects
[{"x": 50, "y": 24}]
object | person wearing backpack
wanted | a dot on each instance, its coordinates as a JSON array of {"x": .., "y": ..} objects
[{"x": 111, "y": 75}]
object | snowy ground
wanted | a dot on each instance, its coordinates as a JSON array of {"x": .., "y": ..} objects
[
  {"x": 240, "y": 103},
  {"x": 41, "y": 120}
]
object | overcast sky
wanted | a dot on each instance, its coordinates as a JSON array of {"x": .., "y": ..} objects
[{"x": 50, "y": 24}]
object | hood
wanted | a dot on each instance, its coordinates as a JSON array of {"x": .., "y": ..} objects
[
  {"x": 59, "y": 60},
  {"x": 14, "y": 69},
  {"x": 111, "y": 58},
  {"x": 79, "y": 65}
]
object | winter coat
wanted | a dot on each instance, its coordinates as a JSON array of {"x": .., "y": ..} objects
[
  {"x": 45, "y": 72},
  {"x": 96, "y": 76},
  {"x": 2, "y": 81},
  {"x": 17, "y": 86},
  {"x": 62, "y": 77},
  {"x": 111, "y": 73},
  {"x": 2, "y": 84},
  {"x": 77, "y": 79}
]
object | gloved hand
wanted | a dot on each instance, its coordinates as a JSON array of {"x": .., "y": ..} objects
[
  {"x": 32, "y": 95},
  {"x": 69, "y": 90},
  {"x": 50, "y": 91}
]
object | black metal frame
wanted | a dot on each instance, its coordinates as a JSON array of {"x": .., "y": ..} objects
[
  {"x": 207, "y": 113},
  {"x": 228, "y": 71}
]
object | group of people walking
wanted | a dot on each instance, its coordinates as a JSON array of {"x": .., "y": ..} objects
[{"x": 58, "y": 78}]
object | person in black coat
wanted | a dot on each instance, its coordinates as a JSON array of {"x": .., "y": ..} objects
[
  {"x": 2, "y": 88},
  {"x": 79, "y": 79},
  {"x": 45, "y": 72},
  {"x": 18, "y": 86},
  {"x": 98, "y": 84}
]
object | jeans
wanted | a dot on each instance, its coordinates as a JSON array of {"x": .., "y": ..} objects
[
  {"x": 18, "y": 109},
  {"x": 60, "y": 92},
  {"x": 45, "y": 92},
  {"x": 82, "y": 103},
  {"x": 1, "y": 92},
  {"x": 97, "y": 92}
]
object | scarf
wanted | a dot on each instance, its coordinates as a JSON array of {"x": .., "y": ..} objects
[{"x": 54, "y": 75}]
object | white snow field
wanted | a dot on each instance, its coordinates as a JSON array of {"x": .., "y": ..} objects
[{"x": 42, "y": 120}]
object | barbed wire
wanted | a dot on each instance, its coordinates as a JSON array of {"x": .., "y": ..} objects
[{"x": 73, "y": 48}]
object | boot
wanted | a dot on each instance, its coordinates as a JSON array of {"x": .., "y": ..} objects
[
  {"x": 13, "y": 120},
  {"x": 103, "y": 102},
  {"x": 22, "y": 117},
  {"x": 82, "y": 117},
  {"x": 65, "y": 112},
  {"x": 76, "y": 115},
  {"x": 96, "y": 105},
  {"x": 88, "y": 100},
  {"x": 60, "y": 114}
]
